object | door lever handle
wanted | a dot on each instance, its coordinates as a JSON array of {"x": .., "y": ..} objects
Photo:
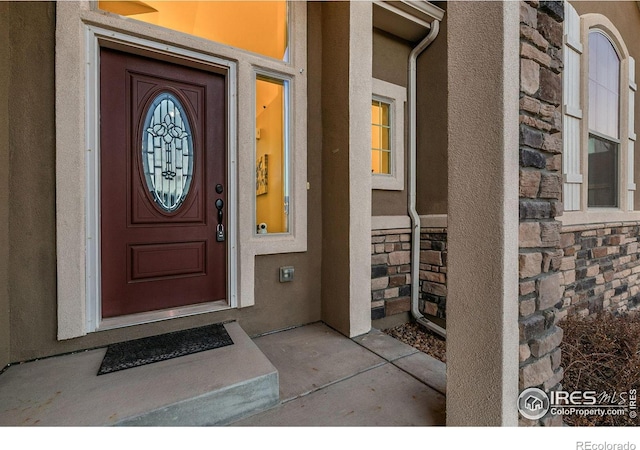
[
  {"x": 220, "y": 235},
  {"x": 219, "y": 206}
]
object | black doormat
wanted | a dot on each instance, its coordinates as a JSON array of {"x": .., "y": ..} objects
[{"x": 139, "y": 352}]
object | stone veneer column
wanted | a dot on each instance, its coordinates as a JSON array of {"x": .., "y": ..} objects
[
  {"x": 346, "y": 177},
  {"x": 482, "y": 313},
  {"x": 541, "y": 282}
]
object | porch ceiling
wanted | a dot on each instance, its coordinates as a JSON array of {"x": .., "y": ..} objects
[{"x": 410, "y": 20}]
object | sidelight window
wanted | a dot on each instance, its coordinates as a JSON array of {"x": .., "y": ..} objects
[{"x": 272, "y": 155}]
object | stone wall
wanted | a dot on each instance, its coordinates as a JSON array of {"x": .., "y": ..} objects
[
  {"x": 600, "y": 268},
  {"x": 541, "y": 281},
  {"x": 390, "y": 272},
  {"x": 433, "y": 272}
]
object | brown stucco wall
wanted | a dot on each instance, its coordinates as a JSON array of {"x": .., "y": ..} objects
[
  {"x": 625, "y": 15},
  {"x": 4, "y": 185},
  {"x": 31, "y": 210},
  {"x": 482, "y": 335},
  {"x": 390, "y": 60},
  {"x": 335, "y": 164},
  {"x": 32, "y": 254},
  {"x": 432, "y": 119},
  {"x": 390, "y": 56}
]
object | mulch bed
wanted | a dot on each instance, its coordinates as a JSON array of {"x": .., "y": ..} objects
[
  {"x": 420, "y": 338},
  {"x": 601, "y": 353}
]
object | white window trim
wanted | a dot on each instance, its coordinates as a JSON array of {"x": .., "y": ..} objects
[
  {"x": 76, "y": 130},
  {"x": 624, "y": 212},
  {"x": 257, "y": 73},
  {"x": 396, "y": 96}
]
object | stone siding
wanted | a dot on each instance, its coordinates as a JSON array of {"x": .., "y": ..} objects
[
  {"x": 433, "y": 272},
  {"x": 541, "y": 281},
  {"x": 600, "y": 268},
  {"x": 390, "y": 272}
]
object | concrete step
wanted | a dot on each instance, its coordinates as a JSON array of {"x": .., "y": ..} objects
[{"x": 214, "y": 387}]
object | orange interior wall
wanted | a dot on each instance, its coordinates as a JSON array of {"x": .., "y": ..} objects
[
  {"x": 270, "y": 122},
  {"x": 257, "y": 26}
]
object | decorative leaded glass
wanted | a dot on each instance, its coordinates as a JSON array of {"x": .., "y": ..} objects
[{"x": 167, "y": 151}]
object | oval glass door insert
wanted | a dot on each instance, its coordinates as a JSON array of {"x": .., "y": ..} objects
[{"x": 167, "y": 151}]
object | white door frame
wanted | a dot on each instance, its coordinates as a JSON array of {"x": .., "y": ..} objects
[{"x": 95, "y": 38}]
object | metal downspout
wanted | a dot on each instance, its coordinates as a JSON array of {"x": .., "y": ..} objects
[{"x": 415, "y": 218}]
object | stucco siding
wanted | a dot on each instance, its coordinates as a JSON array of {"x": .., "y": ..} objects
[{"x": 28, "y": 217}]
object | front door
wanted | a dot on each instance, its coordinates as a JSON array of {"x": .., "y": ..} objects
[{"x": 162, "y": 185}]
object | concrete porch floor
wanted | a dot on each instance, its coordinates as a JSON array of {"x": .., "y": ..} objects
[{"x": 325, "y": 379}]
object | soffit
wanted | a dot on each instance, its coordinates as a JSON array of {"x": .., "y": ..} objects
[{"x": 410, "y": 20}]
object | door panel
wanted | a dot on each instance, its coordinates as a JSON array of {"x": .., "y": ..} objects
[
  {"x": 153, "y": 261},
  {"x": 162, "y": 152}
]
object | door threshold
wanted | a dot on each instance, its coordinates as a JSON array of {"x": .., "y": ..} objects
[{"x": 157, "y": 316}]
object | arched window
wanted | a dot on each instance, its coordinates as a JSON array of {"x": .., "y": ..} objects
[
  {"x": 599, "y": 131},
  {"x": 604, "y": 122}
]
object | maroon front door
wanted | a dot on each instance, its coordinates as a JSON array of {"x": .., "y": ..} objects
[{"x": 162, "y": 184}]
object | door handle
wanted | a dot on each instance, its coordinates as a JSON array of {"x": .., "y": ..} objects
[
  {"x": 220, "y": 237},
  {"x": 219, "y": 206}
]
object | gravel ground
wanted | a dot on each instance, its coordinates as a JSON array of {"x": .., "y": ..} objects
[{"x": 421, "y": 339}]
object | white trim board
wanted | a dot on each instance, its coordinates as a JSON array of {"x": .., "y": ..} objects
[{"x": 395, "y": 222}]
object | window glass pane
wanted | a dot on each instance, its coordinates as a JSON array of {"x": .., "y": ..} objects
[
  {"x": 384, "y": 138},
  {"x": 272, "y": 156},
  {"x": 604, "y": 86},
  {"x": 257, "y": 26},
  {"x": 375, "y": 161},
  {"x": 384, "y": 114},
  {"x": 603, "y": 173},
  {"x": 380, "y": 137},
  {"x": 167, "y": 151},
  {"x": 385, "y": 163},
  {"x": 375, "y": 137},
  {"x": 375, "y": 112}
]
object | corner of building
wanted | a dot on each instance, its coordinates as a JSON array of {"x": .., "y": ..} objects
[
  {"x": 5, "y": 328},
  {"x": 346, "y": 183},
  {"x": 482, "y": 317}
]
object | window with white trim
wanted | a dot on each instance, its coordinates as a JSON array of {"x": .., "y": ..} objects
[
  {"x": 598, "y": 120},
  {"x": 387, "y": 135},
  {"x": 604, "y": 120}
]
